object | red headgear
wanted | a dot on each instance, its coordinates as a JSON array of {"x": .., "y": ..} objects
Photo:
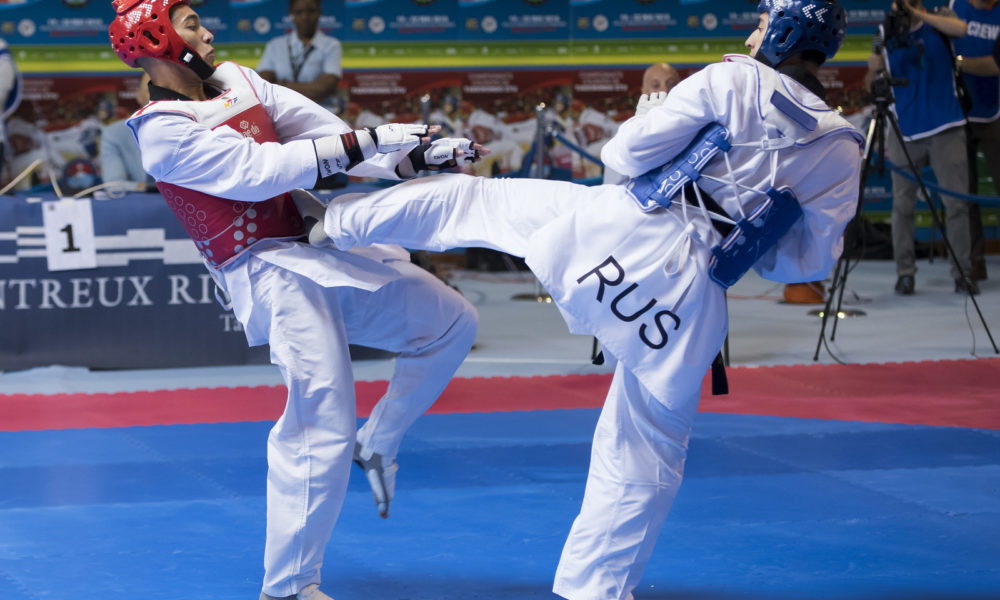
[{"x": 142, "y": 28}]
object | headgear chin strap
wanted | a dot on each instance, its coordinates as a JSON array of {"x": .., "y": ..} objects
[
  {"x": 795, "y": 26},
  {"x": 142, "y": 28}
]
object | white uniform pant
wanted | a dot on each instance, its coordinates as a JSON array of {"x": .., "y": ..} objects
[
  {"x": 640, "y": 445},
  {"x": 310, "y": 448},
  {"x": 636, "y": 467}
]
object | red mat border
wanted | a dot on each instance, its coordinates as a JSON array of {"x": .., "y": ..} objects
[{"x": 960, "y": 393}]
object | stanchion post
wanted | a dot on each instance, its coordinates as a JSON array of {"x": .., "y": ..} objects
[
  {"x": 539, "y": 295},
  {"x": 425, "y": 108},
  {"x": 540, "y": 129}
]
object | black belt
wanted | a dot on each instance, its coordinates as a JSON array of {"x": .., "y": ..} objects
[
  {"x": 720, "y": 383},
  {"x": 722, "y": 227}
]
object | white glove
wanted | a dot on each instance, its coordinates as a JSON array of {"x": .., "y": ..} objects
[
  {"x": 648, "y": 102},
  {"x": 397, "y": 136},
  {"x": 443, "y": 153},
  {"x": 341, "y": 153}
]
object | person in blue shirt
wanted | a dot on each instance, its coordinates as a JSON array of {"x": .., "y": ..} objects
[
  {"x": 120, "y": 160},
  {"x": 305, "y": 60},
  {"x": 982, "y": 18},
  {"x": 933, "y": 130},
  {"x": 10, "y": 95}
]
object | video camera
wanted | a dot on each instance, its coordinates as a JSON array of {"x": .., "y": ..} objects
[
  {"x": 881, "y": 87},
  {"x": 897, "y": 25}
]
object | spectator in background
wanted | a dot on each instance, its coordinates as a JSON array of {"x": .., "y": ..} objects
[
  {"x": 306, "y": 60},
  {"x": 593, "y": 129},
  {"x": 933, "y": 127},
  {"x": 488, "y": 129},
  {"x": 560, "y": 117},
  {"x": 10, "y": 95},
  {"x": 983, "y": 65},
  {"x": 448, "y": 117},
  {"x": 119, "y": 157},
  {"x": 658, "y": 77},
  {"x": 364, "y": 117},
  {"x": 982, "y": 18}
]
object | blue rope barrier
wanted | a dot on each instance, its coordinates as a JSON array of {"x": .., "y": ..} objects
[
  {"x": 577, "y": 149},
  {"x": 987, "y": 200}
]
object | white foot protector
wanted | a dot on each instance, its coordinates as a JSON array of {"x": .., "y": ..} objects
[{"x": 381, "y": 477}]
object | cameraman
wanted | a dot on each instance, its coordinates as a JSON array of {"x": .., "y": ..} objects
[
  {"x": 912, "y": 45},
  {"x": 974, "y": 59}
]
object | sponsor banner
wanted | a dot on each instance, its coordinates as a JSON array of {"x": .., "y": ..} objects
[
  {"x": 257, "y": 21},
  {"x": 378, "y": 21},
  {"x": 495, "y": 20},
  {"x": 54, "y": 21},
  {"x": 500, "y": 108},
  {"x": 149, "y": 303},
  {"x": 60, "y": 119},
  {"x": 75, "y": 22},
  {"x": 458, "y": 55},
  {"x": 622, "y": 19},
  {"x": 631, "y": 19},
  {"x": 59, "y": 122}
]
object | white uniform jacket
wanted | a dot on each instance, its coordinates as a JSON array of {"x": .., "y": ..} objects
[
  {"x": 821, "y": 167},
  {"x": 638, "y": 280},
  {"x": 177, "y": 149}
]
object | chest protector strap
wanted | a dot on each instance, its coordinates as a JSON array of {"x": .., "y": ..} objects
[
  {"x": 754, "y": 234},
  {"x": 657, "y": 187}
]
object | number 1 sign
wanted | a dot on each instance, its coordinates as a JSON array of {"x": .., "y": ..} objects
[{"x": 69, "y": 235}]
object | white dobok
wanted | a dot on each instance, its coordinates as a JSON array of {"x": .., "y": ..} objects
[
  {"x": 637, "y": 279},
  {"x": 308, "y": 303}
]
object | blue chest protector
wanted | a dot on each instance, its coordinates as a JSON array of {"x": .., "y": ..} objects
[{"x": 752, "y": 236}]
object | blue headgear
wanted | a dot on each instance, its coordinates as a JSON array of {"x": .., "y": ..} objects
[
  {"x": 338, "y": 104},
  {"x": 798, "y": 25},
  {"x": 562, "y": 99}
]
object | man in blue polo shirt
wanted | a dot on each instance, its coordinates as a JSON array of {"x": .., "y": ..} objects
[
  {"x": 983, "y": 24},
  {"x": 933, "y": 128},
  {"x": 306, "y": 59}
]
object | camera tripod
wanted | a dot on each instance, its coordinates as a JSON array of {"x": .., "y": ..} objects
[{"x": 882, "y": 97}]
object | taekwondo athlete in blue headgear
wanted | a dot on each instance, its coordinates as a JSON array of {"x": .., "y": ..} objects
[{"x": 741, "y": 166}]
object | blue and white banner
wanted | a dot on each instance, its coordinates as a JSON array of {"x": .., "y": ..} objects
[
  {"x": 496, "y": 20},
  {"x": 149, "y": 303},
  {"x": 377, "y": 21},
  {"x": 36, "y": 22}
]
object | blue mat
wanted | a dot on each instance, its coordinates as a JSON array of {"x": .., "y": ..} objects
[{"x": 770, "y": 508}]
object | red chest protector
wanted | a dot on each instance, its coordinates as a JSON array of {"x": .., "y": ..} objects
[{"x": 223, "y": 228}]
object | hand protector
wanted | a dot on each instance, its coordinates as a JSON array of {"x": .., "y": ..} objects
[
  {"x": 444, "y": 153},
  {"x": 648, "y": 102},
  {"x": 341, "y": 153},
  {"x": 397, "y": 136}
]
